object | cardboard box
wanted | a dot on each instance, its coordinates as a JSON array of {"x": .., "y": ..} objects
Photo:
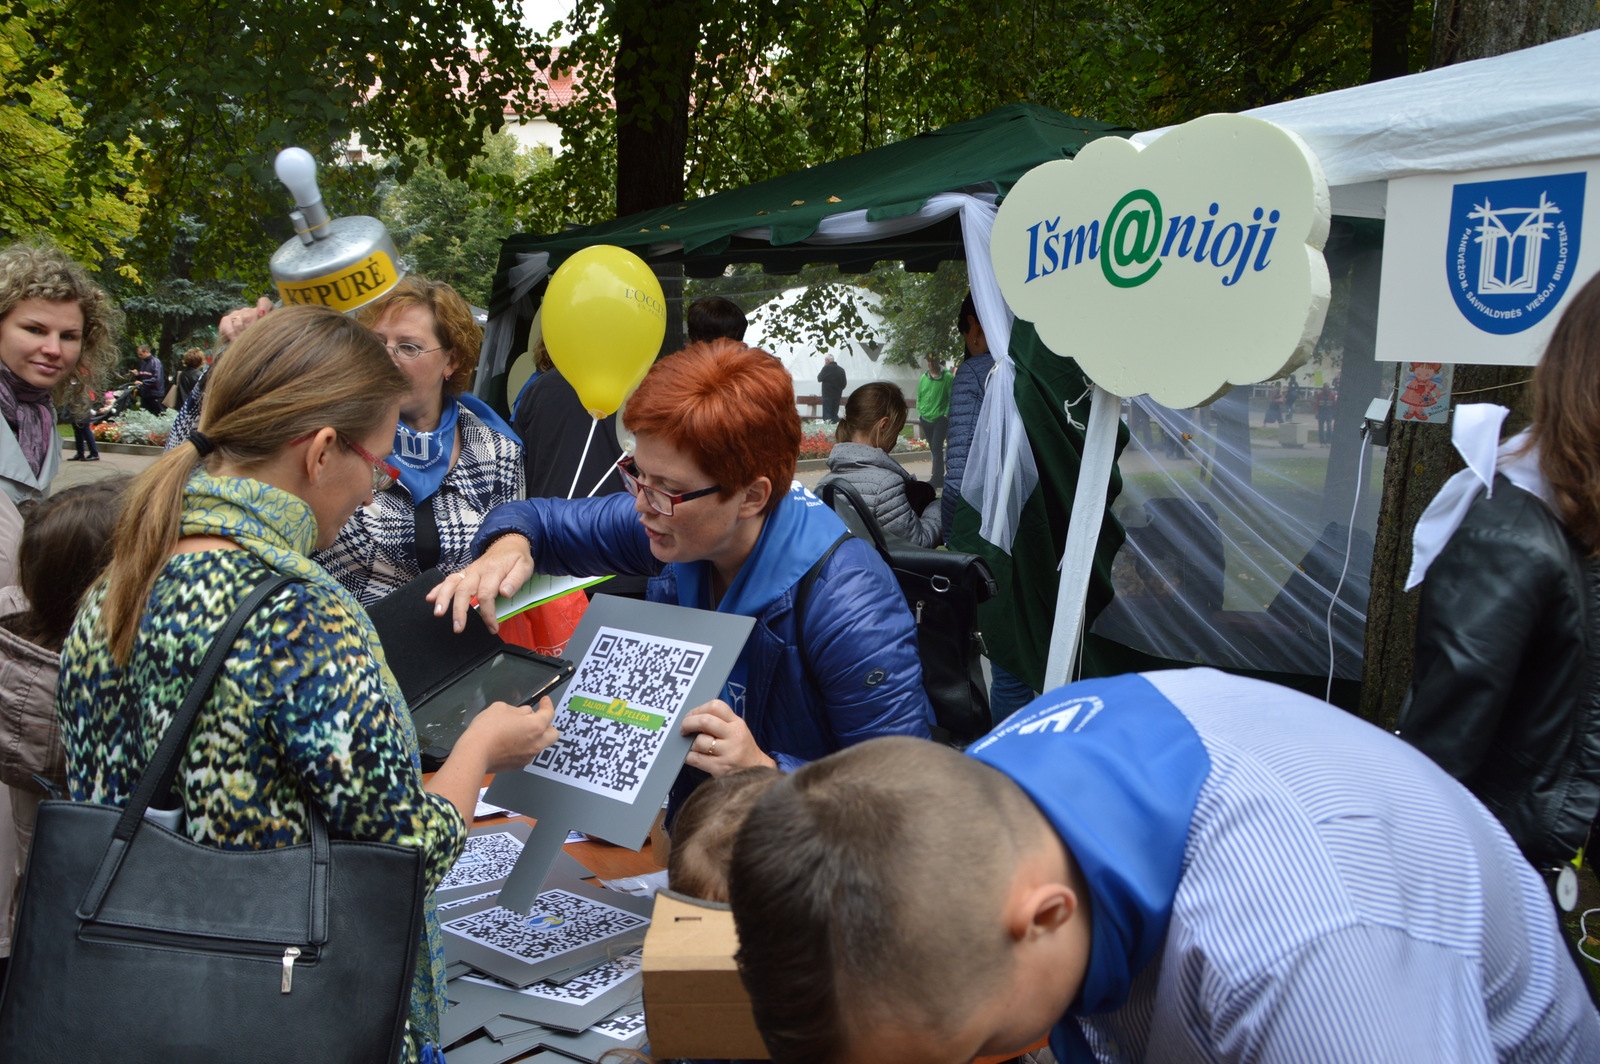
[{"x": 694, "y": 1004}]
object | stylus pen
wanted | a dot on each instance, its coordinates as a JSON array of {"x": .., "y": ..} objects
[{"x": 548, "y": 686}]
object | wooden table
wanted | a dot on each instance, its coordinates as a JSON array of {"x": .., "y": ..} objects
[{"x": 605, "y": 860}]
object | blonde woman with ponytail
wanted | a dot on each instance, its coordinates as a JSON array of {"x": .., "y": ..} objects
[{"x": 305, "y": 709}]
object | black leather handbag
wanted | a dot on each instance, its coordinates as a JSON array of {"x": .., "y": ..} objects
[
  {"x": 134, "y": 944},
  {"x": 943, "y": 589}
]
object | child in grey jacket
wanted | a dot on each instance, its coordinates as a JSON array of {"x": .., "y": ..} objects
[{"x": 873, "y": 418}]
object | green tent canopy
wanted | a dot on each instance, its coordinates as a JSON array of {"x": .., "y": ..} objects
[
  {"x": 856, "y": 212},
  {"x": 986, "y": 154}
]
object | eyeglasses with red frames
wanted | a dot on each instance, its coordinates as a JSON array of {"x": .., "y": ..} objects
[
  {"x": 384, "y": 475},
  {"x": 660, "y": 501}
]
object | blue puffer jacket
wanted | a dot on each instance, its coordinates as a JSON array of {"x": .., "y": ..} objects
[
  {"x": 966, "y": 400},
  {"x": 860, "y": 635}
]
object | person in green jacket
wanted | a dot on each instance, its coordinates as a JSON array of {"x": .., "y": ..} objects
[{"x": 933, "y": 409}]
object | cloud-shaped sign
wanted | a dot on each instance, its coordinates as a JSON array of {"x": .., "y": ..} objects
[{"x": 1177, "y": 270}]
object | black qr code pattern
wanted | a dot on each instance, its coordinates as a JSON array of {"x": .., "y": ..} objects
[
  {"x": 559, "y": 923},
  {"x": 621, "y": 1027},
  {"x": 609, "y": 756},
  {"x": 582, "y": 989},
  {"x": 484, "y": 859}
]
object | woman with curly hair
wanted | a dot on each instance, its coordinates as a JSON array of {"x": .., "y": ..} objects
[{"x": 56, "y": 325}]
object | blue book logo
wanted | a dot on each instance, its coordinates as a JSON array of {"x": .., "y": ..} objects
[{"x": 1513, "y": 245}]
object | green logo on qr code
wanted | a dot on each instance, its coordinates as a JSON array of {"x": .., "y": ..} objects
[{"x": 618, "y": 710}]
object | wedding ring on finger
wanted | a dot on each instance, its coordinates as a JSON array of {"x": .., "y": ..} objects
[{"x": 712, "y": 752}]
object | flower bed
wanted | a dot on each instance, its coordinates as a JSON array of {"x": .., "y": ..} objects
[
  {"x": 817, "y": 442},
  {"x": 137, "y": 426}
]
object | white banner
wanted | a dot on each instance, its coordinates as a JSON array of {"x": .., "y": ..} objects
[{"x": 1477, "y": 267}]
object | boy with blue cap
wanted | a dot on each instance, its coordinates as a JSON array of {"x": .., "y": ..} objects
[{"x": 1172, "y": 867}]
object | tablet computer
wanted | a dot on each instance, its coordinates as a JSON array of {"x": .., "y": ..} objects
[{"x": 507, "y": 676}]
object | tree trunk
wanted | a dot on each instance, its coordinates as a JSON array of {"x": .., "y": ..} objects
[
  {"x": 656, "y": 48},
  {"x": 1421, "y": 457},
  {"x": 1391, "y": 32},
  {"x": 1476, "y": 29}
]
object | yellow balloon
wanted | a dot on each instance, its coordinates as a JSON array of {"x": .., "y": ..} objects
[{"x": 604, "y": 319}]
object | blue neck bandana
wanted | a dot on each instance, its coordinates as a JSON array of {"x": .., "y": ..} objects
[
  {"x": 1116, "y": 769},
  {"x": 423, "y": 458}
]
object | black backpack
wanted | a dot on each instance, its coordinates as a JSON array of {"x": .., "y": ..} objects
[{"x": 942, "y": 589}]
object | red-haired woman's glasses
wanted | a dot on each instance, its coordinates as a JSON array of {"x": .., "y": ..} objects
[
  {"x": 384, "y": 475},
  {"x": 661, "y": 502}
]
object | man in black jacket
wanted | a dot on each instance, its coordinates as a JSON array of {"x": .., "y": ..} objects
[{"x": 833, "y": 381}]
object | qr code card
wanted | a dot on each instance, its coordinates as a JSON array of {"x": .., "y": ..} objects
[
  {"x": 623, "y": 1029},
  {"x": 484, "y": 859},
  {"x": 561, "y": 922},
  {"x": 619, "y": 708},
  {"x": 580, "y": 1001}
]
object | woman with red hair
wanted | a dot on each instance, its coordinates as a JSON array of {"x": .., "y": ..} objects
[{"x": 714, "y": 519}]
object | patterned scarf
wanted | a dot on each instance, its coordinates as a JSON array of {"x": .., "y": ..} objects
[
  {"x": 280, "y": 529},
  {"x": 27, "y": 410}
]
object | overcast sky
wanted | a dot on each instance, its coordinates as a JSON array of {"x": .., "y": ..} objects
[{"x": 539, "y": 14}]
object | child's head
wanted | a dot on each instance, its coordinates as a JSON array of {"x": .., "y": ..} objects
[
  {"x": 703, "y": 834},
  {"x": 874, "y": 415},
  {"x": 66, "y": 544},
  {"x": 900, "y": 902}
]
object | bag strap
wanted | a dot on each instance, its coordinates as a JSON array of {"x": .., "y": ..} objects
[
  {"x": 839, "y": 485},
  {"x": 427, "y": 533},
  {"x": 159, "y": 774},
  {"x": 802, "y": 595}
]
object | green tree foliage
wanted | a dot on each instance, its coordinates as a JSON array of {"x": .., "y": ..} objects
[
  {"x": 919, "y": 312},
  {"x": 214, "y": 90},
  {"x": 171, "y": 310},
  {"x": 772, "y": 86},
  {"x": 450, "y": 230},
  {"x": 85, "y": 197}
]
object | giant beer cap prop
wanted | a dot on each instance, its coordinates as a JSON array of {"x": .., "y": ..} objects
[
  {"x": 344, "y": 263},
  {"x": 1178, "y": 270}
]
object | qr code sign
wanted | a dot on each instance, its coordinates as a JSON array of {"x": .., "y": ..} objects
[
  {"x": 484, "y": 859},
  {"x": 621, "y": 1028},
  {"x": 560, "y": 923},
  {"x": 580, "y": 989},
  {"x": 584, "y": 988},
  {"x": 619, "y": 709}
]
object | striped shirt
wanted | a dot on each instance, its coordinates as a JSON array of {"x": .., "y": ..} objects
[{"x": 1343, "y": 900}]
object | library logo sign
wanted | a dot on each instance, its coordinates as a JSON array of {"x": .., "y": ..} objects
[{"x": 1512, "y": 247}]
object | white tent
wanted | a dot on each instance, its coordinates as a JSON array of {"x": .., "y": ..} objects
[
  {"x": 862, "y": 358},
  {"x": 1537, "y": 105}
]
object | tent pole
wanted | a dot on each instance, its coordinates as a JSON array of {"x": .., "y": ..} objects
[{"x": 1083, "y": 534}]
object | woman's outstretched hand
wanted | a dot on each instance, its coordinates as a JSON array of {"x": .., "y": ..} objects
[
  {"x": 502, "y": 738},
  {"x": 497, "y": 573}
]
